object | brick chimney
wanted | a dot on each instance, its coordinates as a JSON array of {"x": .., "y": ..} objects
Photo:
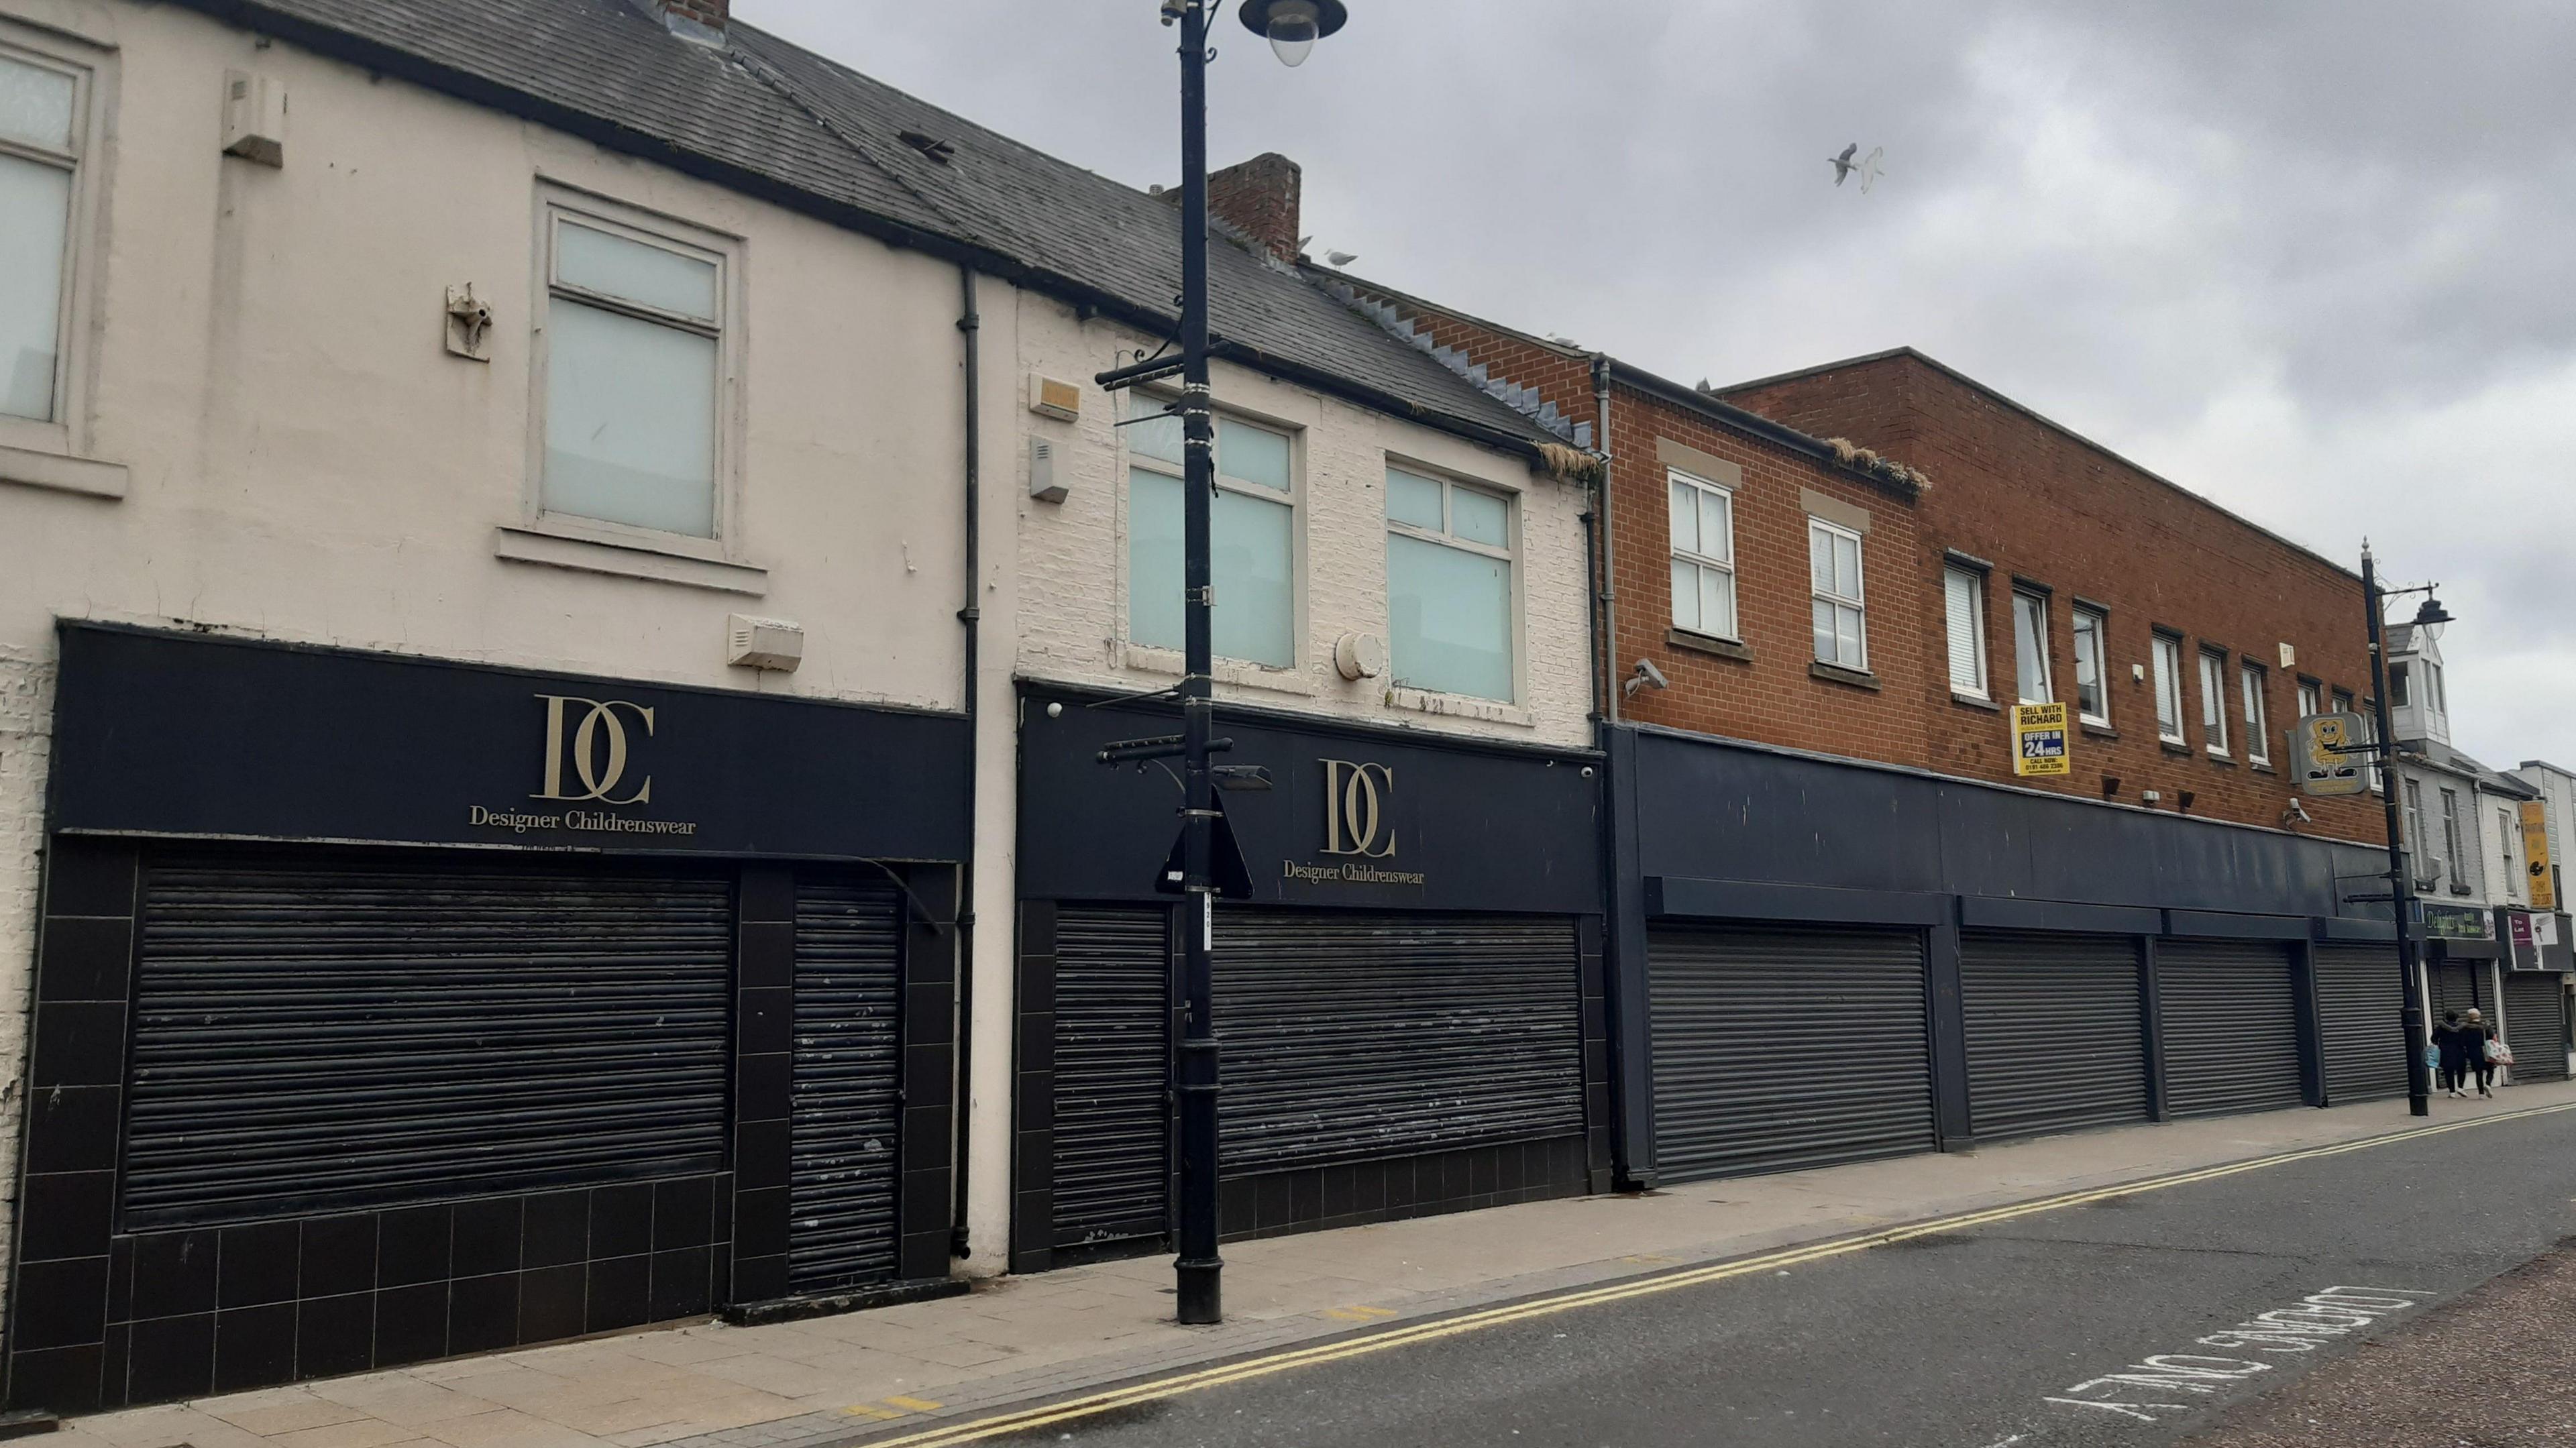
[
  {"x": 1259, "y": 198},
  {"x": 700, "y": 20}
]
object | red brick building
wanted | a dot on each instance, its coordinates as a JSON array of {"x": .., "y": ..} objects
[{"x": 2188, "y": 639}]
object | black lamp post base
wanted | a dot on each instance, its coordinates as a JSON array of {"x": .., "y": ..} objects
[{"x": 1202, "y": 1291}]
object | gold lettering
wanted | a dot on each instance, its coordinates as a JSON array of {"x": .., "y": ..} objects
[{"x": 597, "y": 776}]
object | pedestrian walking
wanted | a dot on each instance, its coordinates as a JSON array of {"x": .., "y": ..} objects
[
  {"x": 2458, "y": 1046},
  {"x": 2491, "y": 1053}
]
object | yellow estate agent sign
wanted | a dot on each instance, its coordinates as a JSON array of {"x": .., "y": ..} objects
[
  {"x": 2039, "y": 739},
  {"x": 2535, "y": 851}
]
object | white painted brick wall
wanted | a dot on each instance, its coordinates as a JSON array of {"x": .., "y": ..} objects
[
  {"x": 1073, "y": 555},
  {"x": 26, "y": 710}
]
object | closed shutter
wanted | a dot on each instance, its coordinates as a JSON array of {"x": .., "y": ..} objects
[
  {"x": 2460, "y": 988},
  {"x": 2535, "y": 1024},
  {"x": 1777, "y": 1049},
  {"x": 2358, "y": 1007},
  {"x": 1112, "y": 1075},
  {"x": 845, "y": 1104},
  {"x": 1962, "y": 606},
  {"x": 2056, "y": 1036},
  {"x": 324, "y": 1034},
  {"x": 2230, "y": 1027},
  {"x": 1352, "y": 1037}
]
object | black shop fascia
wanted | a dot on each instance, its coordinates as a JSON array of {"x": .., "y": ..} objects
[
  {"x": 391, "y": 1007},
  {"x": 1406, "y": 990}
]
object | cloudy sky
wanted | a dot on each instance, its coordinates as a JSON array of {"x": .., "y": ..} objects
[{"x": 2311, "y": 259}]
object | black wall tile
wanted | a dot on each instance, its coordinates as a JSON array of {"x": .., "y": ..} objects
[
  {"x": 414, "y": 1245},
  {"x": 79, "y": 1043},
  {"x": 923, "y": 1202},
  {"x": 1033, "y": 1231},
  {"x": 84, "y": 959},
  {"x": 487, "y": 1236},
  {"x": 1306, "y": 1195},
  {"x": 254, "y": 1347},
  {"x": 411, "y": 1323},
  {"x": 172, "y": 1357},
  {"x": 760, "y": 1222},
  {"x": 758, "y": 1279},
  {"x": 767, "y": 892},
  {"x": 621, "y": 1220},
  {"x": 929, "y": 1015},
  {"x": 1036, "y": 1103},
  {"x": 483, "y": 1313},
  {"x": 73, "y": 1128},
  {"x": 337, "y": 1256},
  {"x": 1238, "y": 1204},
  {"x": 1482, "y": 1172},
  {"x": 1402, "y": 1177},
  {"x": 257, "y": 1264},
  {"x": 113, "y": 1364},
  {"x": 929, "y": 1075},
  {"x": 683, "y": 1213},
  {"x": 722, "y": 1231},
  {"x": 760, "y": 1154},
  {"x": 1340, "y": 1187},
  {"x": 767, "y": 958},
  {"x": 62, "y": 1379},
  {"x": 1270, "y": 1201},
  {"x": 551, "y": 1303},
  {"x": 1033, "y": 1160},
  {"x": 679, "y": 1284},
  {"x": 88, "y": 877},
  {"x": 334, "y": 1335},
  {"x": 120, "y": 1280},
  {"x": 761, "y": 1087},
  {"x": 919, "y": 1255},
  {"x": 720, "y": 1275},
  {"x": 60, "y": 1304},
  {"x": 762, "y": 1022},
  {"x": 620, "y": 1293},
  {"x": 926, "y": 1138},
  {"x": 1035, "y": 1047},
  {"x": 174, "y": 1273},
  {"x": 65, "y": 1214},
  {"x": 556, "y": 1230}
]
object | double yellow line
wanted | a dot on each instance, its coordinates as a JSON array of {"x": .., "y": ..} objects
[{"x": 1388, "y": 1339}]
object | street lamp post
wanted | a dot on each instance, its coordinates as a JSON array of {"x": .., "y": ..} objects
[
  {"x": 1292, "y": 27},
  {"x": 2401, "y": 882}
]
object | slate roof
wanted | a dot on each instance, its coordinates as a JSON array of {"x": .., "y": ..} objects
[{"x": 765, "y": 117}]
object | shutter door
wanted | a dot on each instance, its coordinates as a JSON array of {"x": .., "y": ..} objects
[
  {"x": 2458, "y": 987},
  {"x": 2230, "y": 1027},
  {"x": 1352, "y": 1037},
  {"x": 845, "y": 1102},
  {"x": 2056, "y": 1037},
  {"x": 1777, "y": 1049},
  {"x": 325, "y": 1034},
  {"x": 1112, "y": 1074},
  {"x": 2357, "y": 1016},
  {"x": 2535, "y": 1024}
]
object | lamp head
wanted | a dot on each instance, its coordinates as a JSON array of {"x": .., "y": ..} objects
[
  {"x": 2431, "y": 617},
  {"x": 1292, "y": 26}
]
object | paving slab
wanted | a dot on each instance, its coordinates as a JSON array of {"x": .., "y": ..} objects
[{"x": 707, "y": 1385}]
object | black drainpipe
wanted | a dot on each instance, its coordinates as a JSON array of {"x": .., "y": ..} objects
[
  {"x": 1608, "y": 598},
  {"x": 969, "y": 323}
]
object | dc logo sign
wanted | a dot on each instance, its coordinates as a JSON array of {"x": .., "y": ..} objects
[
  {"x": 597, "y": 750},
  {"x": 1357, "y": 799}
]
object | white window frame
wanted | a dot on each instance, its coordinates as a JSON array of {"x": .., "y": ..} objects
[
  {"x": 2100, "y": 620},
  {"x": 2047, "y": 666},
  {"x": 2167, "y": 654},
  {"x": 1734, "y": 602},
  {"x": 94, "y": 76},
  {"x": 1818, "y": 592},
  {"x": 2504, "y": 839},
  {"x": 1294, "y": 499},
  {"x": 2213, "y": 702},
  {"x": 2251, "y": 685},
  {"x": 2401, "y": 684},
  {"x": 2312, "y": 698},
  {"x": 1976, "y": 582},
  {"x": 1509, "y": 554},
  {"x": 557, "y": 204},
  {"x": 2412, "y": 801},
  {"x": 2451, "y": 842}
]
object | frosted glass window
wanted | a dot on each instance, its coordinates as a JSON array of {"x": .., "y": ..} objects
[
  {"x": 1449, "y": 587},
  {"x": 37, "y": 105},
  {"x": 1248, "y": 551},
  {"x": 1251, "y": 538},
  {"x": 634, "y": 381},
  {"x": 632, "y": 271},
  {"x": 630, "y": 421},
  {"x": 35, "y": 228},
  {"x": 1703, "y": 527},
  {"x": 1833, "y": 566}
]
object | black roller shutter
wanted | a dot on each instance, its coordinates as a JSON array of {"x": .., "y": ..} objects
[
  {"x": 845, "y": 1105},
  {"x": 1112, "y": 1074},
  {"x": 2535, "y": 1024},
  {"x": 2056, "y": 1036},
  {"x": 1353, "y": 1037},
  {"x": 1777, "y": 1049},
  {"x": 317, "y": 1034},
  {"x": 2230, "y": 1027},
  {"x": 2357, "y": 1016},
  {"x": 2459, "y": 987}
]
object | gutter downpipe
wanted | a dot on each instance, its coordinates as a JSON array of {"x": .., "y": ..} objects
[
  {"x": 1608, "y": 669},
  {"x": 969, "y": 326}
]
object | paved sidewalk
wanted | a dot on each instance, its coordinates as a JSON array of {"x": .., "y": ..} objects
[{"x": 706, "y": 1385}]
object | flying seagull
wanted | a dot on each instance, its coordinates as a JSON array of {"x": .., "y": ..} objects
[{"x": 1867, "y": 166}]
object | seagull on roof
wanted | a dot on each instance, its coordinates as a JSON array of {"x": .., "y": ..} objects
[{"x": 1341, "y": 258}]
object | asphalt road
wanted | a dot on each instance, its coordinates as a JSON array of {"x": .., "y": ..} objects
[{"x": 2026, "y": 1332}]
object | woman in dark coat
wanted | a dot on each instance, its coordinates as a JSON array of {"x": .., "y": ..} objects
[{"x": 2463, "y": 1050}]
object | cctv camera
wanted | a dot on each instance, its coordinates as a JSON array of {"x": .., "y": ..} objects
[
  {"x": 2297, "y": 814},
  {"x": 1647, "y": 674}
]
